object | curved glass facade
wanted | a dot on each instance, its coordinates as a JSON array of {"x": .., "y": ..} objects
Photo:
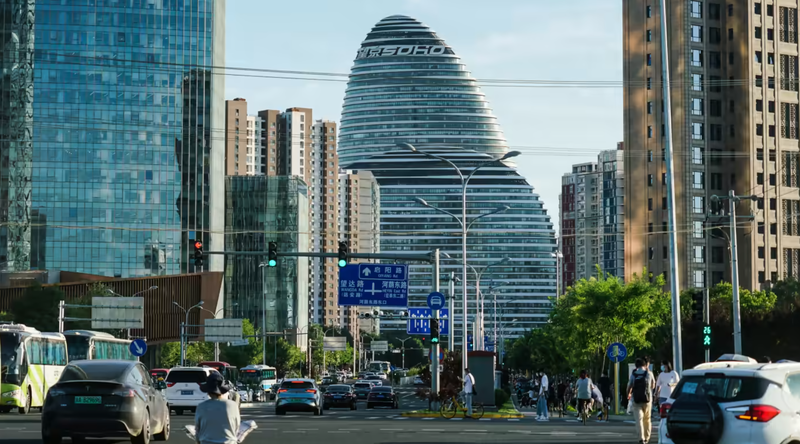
[
  {"x": 122, "y": 114},
  {"x": 407, "y": 85},
  {"x": 524, "y": 233}
]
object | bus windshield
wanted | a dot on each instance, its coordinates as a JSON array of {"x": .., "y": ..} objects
[
  {"x": 256, "y": 376},
  {"x": 10, "y": 359},
  {"x": 77, "y": 347},
  {"x": 379, "y": 366}
]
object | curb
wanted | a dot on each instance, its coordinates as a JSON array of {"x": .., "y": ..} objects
[
  {"x": 461, "y": 415},
  {"x": 255, "y": 405}
]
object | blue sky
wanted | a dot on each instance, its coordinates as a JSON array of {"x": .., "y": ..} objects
[{"x": 576, "y": 40}]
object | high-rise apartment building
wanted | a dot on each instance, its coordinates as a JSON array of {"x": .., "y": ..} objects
[
  {"x": 359, "y": 222},
  {"x": 734, "y": 68},
  {"x": 111, "y": 168},
  {"x": 581, "y": 222},
  {"x": 286, "y": 142},
  {"x": 591, "y": 205},
  {"x": 325, "y": 229}
]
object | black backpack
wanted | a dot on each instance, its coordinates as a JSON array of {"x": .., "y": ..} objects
[{"x": 641, "y": 388}]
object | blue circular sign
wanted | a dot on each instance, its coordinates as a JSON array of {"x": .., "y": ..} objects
[
  {"x": 138, "y": 347},
  {"x": 617, "y": 352},
  {"x": 436, "y": 300}
]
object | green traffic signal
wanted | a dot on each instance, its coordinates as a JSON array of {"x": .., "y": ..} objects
[
  {"x": 342, "y": 263},
  {"x": 434, "y": 340},
  {"x": 273, "y": 262}
]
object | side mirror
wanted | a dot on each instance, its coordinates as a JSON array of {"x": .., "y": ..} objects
[{"x": 161, "y": 385}]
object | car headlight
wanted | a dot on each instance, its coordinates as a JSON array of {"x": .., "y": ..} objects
[{"x": 12, "y": 394}]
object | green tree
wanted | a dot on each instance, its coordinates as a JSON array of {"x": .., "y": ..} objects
[
  {"x": 243, "y": 355},
  {"x": 753, "y": 305},
  {"x": 38, "y": 307},
  {"x": 6, "y": 317}
]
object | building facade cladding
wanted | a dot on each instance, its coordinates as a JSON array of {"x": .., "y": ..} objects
[
  {"x": 235, "y": 127},
  {"x": 324, "y": 189},
  {"x": 111, "y": 167},
  {"x": 739, "y": 136},
  {"x": 17, "y": 18},
  {"x": 582, "y": 222},
  {"x": 261, "y": 209},
  {"x": 359, "y": 219},
  {"x": 407, "y": 85},
  {"x": 523, "y": 233},
  {"x": 612, "y": 250}
]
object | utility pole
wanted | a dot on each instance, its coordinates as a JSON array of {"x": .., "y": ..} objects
[
  {"x": 435, "y": 345},
  {"x": 451, "y": 337},
  {"x": 677, "y": 349},
  {"x": 707, "y": 316},
  {"x": 733, "y": 199}
]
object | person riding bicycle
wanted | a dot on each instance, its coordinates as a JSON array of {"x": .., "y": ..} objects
[
  {"x": 561, "y": 395},
  {"x": 597, "y": 397},
  {"x": 584, "y": 388}
]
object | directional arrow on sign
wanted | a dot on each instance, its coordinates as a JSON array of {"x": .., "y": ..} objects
[
  {"x": 138, "y": 349},
  {"x": 367, "y": 272}
]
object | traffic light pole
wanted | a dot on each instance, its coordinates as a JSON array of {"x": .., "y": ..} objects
[
  {"x": 435, "y": 345},
  {"x": 417, "y": 257},
  {"x": 707, "y": 317}
]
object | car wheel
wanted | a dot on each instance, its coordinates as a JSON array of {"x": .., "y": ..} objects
[
  {"x": 5, "y": 409},
  {"x": 27, "y": 407},
  {"x": 51, "y": 436},
  {"x": 144, "y": 436},
  {"x": 164, "y": 435},
  {"x": 279, "y": 412},
  {"x": 178, "y": 412}
]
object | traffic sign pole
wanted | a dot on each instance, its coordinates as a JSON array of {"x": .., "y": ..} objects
[
  {"x": 435, "y": 346},
  {"x": 616, "y": 353},
  {"x": 707, "y": 317}
]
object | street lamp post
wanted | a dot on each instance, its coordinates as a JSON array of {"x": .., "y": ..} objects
[
  {"x": 263, "y": 266},
  {"x": 184, "y": 333},
  {"x": 492, "y": 291},
  {"x": 154, "y": 287},
  {"x": 463, "y": 221},
  {"x": 503, "y": 339}
]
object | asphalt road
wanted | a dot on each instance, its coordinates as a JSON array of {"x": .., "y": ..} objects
[{"x": 384, "y": 426}]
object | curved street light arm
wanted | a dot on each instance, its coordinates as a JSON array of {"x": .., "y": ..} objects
[
  {"x": 445, "y": 212},
  {"x": 491, "y": 213}
]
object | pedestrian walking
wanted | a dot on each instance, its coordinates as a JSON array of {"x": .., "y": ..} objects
[
  {"x": 541, "y": 404},
  {"x": 640, "y": 389},
  {"x": 217, "y": 419},
  {"x": 667, "y": 380},
  {"x": 469, "y": 390}
]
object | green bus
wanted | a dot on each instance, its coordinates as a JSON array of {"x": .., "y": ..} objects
[
  {"x": 87, "y": 344},
  {"x": 30, "y": 363}
]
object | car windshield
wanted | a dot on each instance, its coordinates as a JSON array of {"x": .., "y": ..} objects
[
  {"x": 297, "y": 385},
  {"x": 339, "y": 388},
  {"x": 187, "y": 376},
  {"x": 363, "y": 386},
  {"x": 10, "y": 358},
  {"x": 382, "y": 390},
  {"x": 722, "y": 388},
  {"x": 95, "y": 371}
]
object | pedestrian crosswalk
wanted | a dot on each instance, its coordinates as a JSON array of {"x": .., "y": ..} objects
[{"x": 370, "y": 416}]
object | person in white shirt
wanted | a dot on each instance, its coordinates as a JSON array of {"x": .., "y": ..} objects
[
  {"x": 666, "y": 382},
  {"x": 541, "y": 404},
  {"x": 469, "y": 388}
]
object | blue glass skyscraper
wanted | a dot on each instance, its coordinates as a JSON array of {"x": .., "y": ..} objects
[
  {"x": 408, "y": 86},
  {"x": 125, "y": 113}
]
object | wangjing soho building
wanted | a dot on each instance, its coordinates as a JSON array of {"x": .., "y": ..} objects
[{"x": 408, "y": 86}]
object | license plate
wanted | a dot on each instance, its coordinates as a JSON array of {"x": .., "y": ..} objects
[
  {"x": 187, "y": 392},
  {"x": 88, "y": 399},
  {"x": 337, "y": 396}
]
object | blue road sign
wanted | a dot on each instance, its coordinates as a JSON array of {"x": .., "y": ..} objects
[
  {"x": 138, "y": 347},
  {"x": 617, "y": 352},
  {"x": 417, "y": 326},
  {"x": 374, "y": 285},
  {"x": 430, "y": 355},
  {"x": 470, "y": 344},
  {"x": 436, "y": 301}
]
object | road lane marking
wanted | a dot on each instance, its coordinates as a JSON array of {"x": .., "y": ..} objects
[
  {"x": 476, "y": 431},
  {"x": 309, "y": 430},
  {"x": 433, "y": 430},
  {"x": 456, "y": 419},
  {"x": 399, "y": 418},
  {"x": 373, "y": 417},
  {"x": 428, "y": 419},
  {"x": 513, "y": 419},
  {"x": 392, "y": 430},
  {"x": 485, "y": 419},
  {"x": 350, "y": 430},
  {"x": 338, "y": 431},
  {"x": 293, "y": 431}
]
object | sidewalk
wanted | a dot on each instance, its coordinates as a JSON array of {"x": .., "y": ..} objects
[{"x": 530, "y": 412}]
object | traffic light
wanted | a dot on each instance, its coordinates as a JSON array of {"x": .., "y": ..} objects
[
  {"x": 697, "y": 306},
  {"x": 198, "y": 253},
  {"x": 423, "y": 340},
  {"x": 434, "y": 331},
  {"x": 272, "y": 254},
  {"x": 342, "y": 254},
  {"x": 706, "y": 336}
]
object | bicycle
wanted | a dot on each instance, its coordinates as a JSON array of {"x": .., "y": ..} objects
[
  {"x": 584, "y": 409},
  {"x": 455, "y": 404}
]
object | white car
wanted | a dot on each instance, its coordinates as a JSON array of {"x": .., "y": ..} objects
[
  {"x": 183, "y": 388},
  {"x": 734, "y": 401}
]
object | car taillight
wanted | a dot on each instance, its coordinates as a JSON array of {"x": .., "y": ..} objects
[
  {"x": 56, "y": 392},
  {"x": 125, "y": 393},
  {"x": 282, "y": 391},
  {"x": 311, "y": 391},
  {"x": 328, "y": 394},
  {"x": 170, "y": 384},
  {"x": 759, "y": 413},
  {"x": 663, "y": 410}
]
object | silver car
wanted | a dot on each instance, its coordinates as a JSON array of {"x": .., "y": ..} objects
[{"x": 298, "y": 395}]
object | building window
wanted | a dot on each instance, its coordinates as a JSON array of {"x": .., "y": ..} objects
[
  {"x": 697, "y": 58},
  {"x": 788, "y": 24},
  {"x": 696, "y": 9},
  {"x": 650, "y": 107},
  {"x": 649, "y": 11},
  {"x": 697, "y": 34},
  {"x": 697, "y": 106},
  {"x": 650, "y": 204},
  {"x": 650, "y": 227},
  {"x": 770, "y": 34},
  {"x": 788, "y": 72},
  {"x": 698, "y": 180},
  {"x": 730, "y": 10},
  {"x": 649, "y": 155},
  {"x": 699, "y": 254},
  {"x": 770, "y": 10},
  {"x": 649, "y": 35},
  {"x": 715, "y": 108},
  {"x": 759, "y": 129},
  {"x": 714, "y": 36},
  {"x": 697, "y": 82},
  {"x": 758, "y": 56},
  {"x": 650, "y": 180},
  {"x": 697, "y": 155},
  {"x": 713, "y": 11},
  {"x": 730, "y": 34},
  {"x": 663, "y": 203},
  {"x": 790, "y": 124},
  {"x": 698, "y": 204},
  {"x": 698, "y": 131},
  {"x": 716, "y": 132},
  {"x": 649, "y": 83},
  {"x": 715, "y": 84},
  {"x": 758, "y": 32},
  {"x": 697, "y": 230},
  {"x": 649, "y": 132},
  {"x": 649, "y": 60}
]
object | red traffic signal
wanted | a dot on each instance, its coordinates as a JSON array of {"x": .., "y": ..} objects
[{"x": 198, "y": 245}]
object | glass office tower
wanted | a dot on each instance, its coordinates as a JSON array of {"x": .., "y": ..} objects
[
  {"x": 407, "y": 85},
  {"x": 124, "y": 107}
]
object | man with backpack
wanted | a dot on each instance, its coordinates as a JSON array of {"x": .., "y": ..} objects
[{"x": 640, "y": 393}]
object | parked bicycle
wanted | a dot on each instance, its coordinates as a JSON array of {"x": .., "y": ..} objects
[{"x": 455, "y": 404}]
